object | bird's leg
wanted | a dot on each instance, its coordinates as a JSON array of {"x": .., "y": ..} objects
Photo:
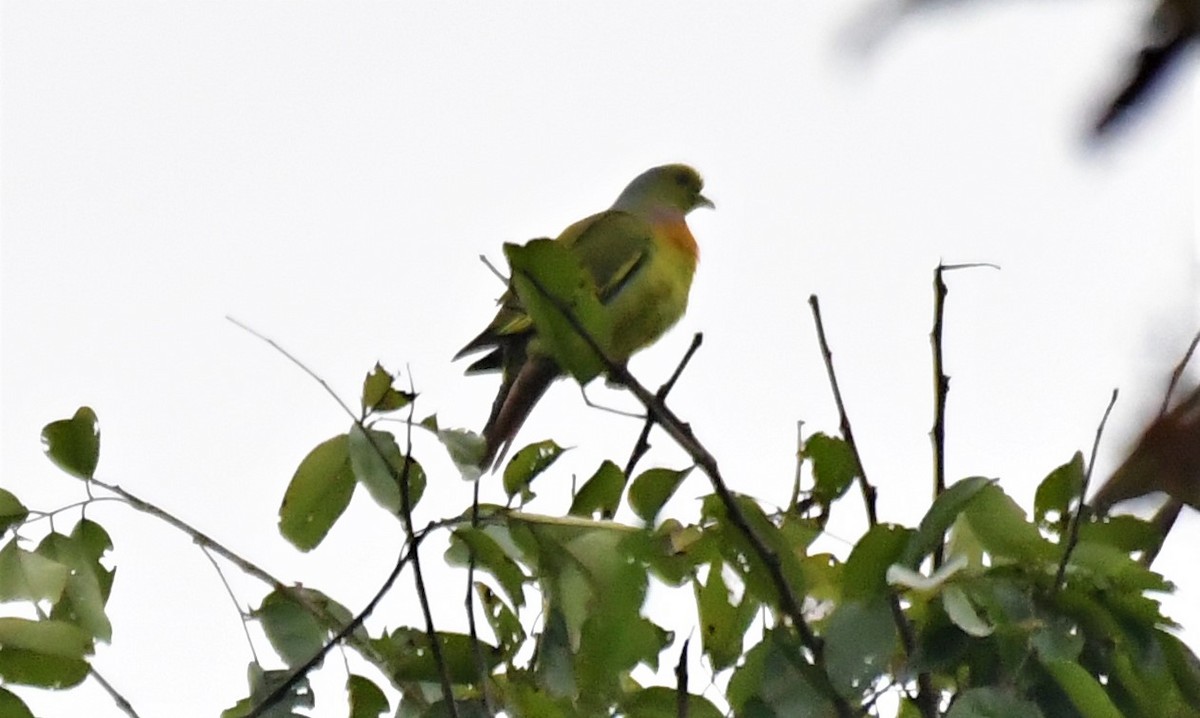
[{"x": 619, "y": 412}]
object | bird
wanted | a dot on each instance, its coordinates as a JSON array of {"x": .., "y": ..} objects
[
  {"x": 640, "y": 255},
  {"x": 1166, "y": 458}
]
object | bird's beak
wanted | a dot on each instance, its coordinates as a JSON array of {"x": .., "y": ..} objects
[{"x": 702, "y": 201}]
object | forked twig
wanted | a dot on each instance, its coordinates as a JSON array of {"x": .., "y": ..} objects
[{"x": 643, "y": 441}]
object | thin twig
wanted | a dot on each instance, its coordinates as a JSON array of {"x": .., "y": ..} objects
[
  {"x": 799, "y": 464},
  {"x": 435, "y": 644},
  {"x": 643, "y": 442},
  {"x": 926, "y": 695},
  {"x": 1177, "y": 374},
  {"x": 344, "y": 634},
  {"x": 195, "y": 534},
  {"x": 868, "y": 491},
  {"x": 1077, "y": 517},
  {"x": 229, "y": 589},
  {"x": 941, "y": 387},
  {"x": 476, "y": 647},
  {"x": 682, "y": 434},
  {"x": 402, "y": 478},
  {"x": 488, "y": 263},
  {"x": 119, "y": 699}
]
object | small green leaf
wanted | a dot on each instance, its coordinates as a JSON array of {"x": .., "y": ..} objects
[
  {"x": 549, "y": 279},
  {"x": 408, "y": 657},
  {"x": 1052, "y": 503},
  {"x": 379, "y": 393},
  {"x": 262, "y": 684},
  {"x": 834, "y": 466},
  {"x": 74, "y": 444},
  {"x": 601, "y": 493},
  {"x": 13, "y": 707},
  {"x": 294, "y": 633},
  {"x": 366, "y": 699},
  {"x": 865, "y": 572},
  {"x": 1081, "y": 687},
  {"x": 940, "y": 517},
  {"x": 379, "y": 465},
  {"x": 12, "y": 511},
  {"x": 27, "y": 576},
  {"x": 503, "y": 620},
  {"x": 82, "y": 602},
  {"x": 318, "y": 493},
  {"x": 1002, "y": 529},
  {"x": 49, "y": 653},
  {"x": 663, "y": 702},
  {"x": 466, "y": 449},
  {"x": 527, "y": 464},
  {"x": 722, "y": 624},
  {"x": 963, "y": 614},
  {"x": 651, "y": 490},
  {"x": 860, "y": 640},
  {"x": 490, "y": 557}
]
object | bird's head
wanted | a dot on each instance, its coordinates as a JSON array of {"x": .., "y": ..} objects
[{"x": 676, "y": 186}]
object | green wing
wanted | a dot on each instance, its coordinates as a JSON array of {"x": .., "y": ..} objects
[{"x": 612, "y": 246}]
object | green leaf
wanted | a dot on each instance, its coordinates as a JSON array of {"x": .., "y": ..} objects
[
  {"x": 651, "y": 490},
  {"x": 13, "y": 707},
  {"x": 504, "y": 622},
  {"x": 1002, "y": 529},
  {"x": 548, "y": 279},
  {"x": 366, "y": 699},
  {"x": 940, "y": 517},
  {"x": 860, "y": 640},
  {"x": 466, "y": 449},
  {"x": 526, "y": 465},
  {"x": 379, "y": 393},
  {"x": 379, "y": 465},
  {"x": 1183, "y": 665},
  {"x": 74, "y": 444},
  {"x": 663, "y": 702},
  {"x": 962, "y": 613},
  {"x": 774, "y": 680},
  {"x": 834, "y": 466},
  {"x": 12, "y": 511},
  {"x": 492, "y": 558},
  {"x": 865, "y": 572},
  {"x": 722, "y": 624},
  {"x": 27, "y": 576},
  {"x": 262, "y": 684},
  {"x": 294, "y": 633},
  {"x": 1052, "y": 503},
  {"x": 48, "y": 653},
  {"x": 82, "y": 602},
  {"x": 318, "y": 493},
  {"x": 1082, "y": 689},
  {"x": 988, "y": 702},
  {"x": 601, "y": 493},
  {"x": 408, "y": 657}
]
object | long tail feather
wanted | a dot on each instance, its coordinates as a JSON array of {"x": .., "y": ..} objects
[{"x": 517, "y": 397}]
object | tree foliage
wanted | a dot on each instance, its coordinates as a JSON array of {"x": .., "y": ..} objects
[{"x": 980, "y": 609}]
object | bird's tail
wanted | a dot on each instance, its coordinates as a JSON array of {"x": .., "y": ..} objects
[{"x": 517, "y": 397}]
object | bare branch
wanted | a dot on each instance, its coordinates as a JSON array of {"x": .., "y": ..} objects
[
  {"x": 643, "y": 442},
  {"x": 1077, "y": 517}
]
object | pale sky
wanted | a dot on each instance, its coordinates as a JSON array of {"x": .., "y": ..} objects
[{"x": 329, "y": 172}]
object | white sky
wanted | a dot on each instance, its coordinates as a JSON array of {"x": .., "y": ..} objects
[{"x": 329, "y": 172}]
